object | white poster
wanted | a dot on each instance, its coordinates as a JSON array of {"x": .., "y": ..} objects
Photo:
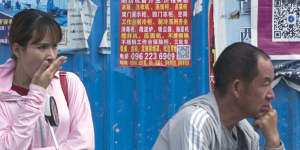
[
  {"x": 75, "y": 17},
  {"x": 231, "y": 23}
]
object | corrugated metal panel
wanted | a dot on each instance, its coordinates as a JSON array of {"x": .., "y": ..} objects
[
  {"x": 131, "y": 104},
  {"x": 287, "y": 104},
  {"x": 140, "y": 100}
]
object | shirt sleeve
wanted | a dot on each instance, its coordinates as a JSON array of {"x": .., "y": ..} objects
[
  {"x": 282, "y": 147},
  {"x": 16, "y": 130},
  {"x": 81, "y": 135},
  {"x": 187, "y": 130},
  {"x": 199, "y": 131}
]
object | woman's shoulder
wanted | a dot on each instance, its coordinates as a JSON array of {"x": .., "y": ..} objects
[
  {"x": 72, "y": 79},
  {"x": 70, "y": 76}
]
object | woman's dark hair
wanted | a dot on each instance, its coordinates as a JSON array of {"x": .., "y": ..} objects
[
  {"x": 237, "y": 61},
  {"x": 33, "y": 23}
]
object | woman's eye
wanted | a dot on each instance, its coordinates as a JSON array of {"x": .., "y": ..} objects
[
  {"x": 43, "y": 47},
  {"x": 47, "y": 46}
]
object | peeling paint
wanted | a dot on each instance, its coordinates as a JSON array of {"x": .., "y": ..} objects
[
  {"x": 92, "y": 75},
  {"x": 197, "y": 7},
  {"x": 185, "y": 75},
  {"x": 117, "y": 130},
  {"x": 235, "y": 15},
  {"x": 115, "y": 125}
]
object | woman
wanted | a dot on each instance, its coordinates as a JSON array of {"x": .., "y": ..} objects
[{"x": 29, "y": 78}]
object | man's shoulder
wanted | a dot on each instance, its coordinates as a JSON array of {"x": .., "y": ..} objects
[
  {"x": 191, "y": 116},
  {"x": 196, "y": 113},
  {"x": 201, "y": 105},
  {"x": 192, "y": 120},
  {"x": 202, "y": 101}
]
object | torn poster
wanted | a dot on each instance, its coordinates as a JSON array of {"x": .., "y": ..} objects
[
  {"x": 105, "y": 44},
  {"x": 231, "y": 23},
  {"x": 289, "y": 72}
]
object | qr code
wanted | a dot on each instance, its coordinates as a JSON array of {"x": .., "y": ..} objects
[
  {"x": 183, "y": 52},
  {"x": 286, "y": 20}
]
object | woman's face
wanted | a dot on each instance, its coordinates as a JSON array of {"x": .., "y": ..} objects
[{"x": 31, "y": 57}]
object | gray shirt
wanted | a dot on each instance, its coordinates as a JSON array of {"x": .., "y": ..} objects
[{"x": 197, "y": 126}]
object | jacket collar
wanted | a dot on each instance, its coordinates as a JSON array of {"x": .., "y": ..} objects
[{"x": 7, "y": 72}]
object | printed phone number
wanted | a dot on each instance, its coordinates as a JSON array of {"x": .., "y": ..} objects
[{"x": 148, "y": 56}]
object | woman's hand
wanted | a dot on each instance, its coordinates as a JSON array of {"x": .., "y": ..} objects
[{"x": 46, "y": 72}]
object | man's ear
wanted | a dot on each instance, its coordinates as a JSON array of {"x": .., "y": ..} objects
[
  {"x": 16, "y": 49},
  {"x": 236, "y": 88}
]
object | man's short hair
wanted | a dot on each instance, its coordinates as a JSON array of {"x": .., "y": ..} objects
[{"x": 237, "y": 61}]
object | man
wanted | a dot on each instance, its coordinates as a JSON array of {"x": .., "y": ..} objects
[{"x": 217, "y": 121}]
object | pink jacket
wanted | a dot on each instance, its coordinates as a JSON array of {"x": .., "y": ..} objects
[{"x": 22, "y": 123}]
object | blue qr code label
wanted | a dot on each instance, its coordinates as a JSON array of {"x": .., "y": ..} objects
[
  {"x": 183, "y": 52},
  {"x": 286, "y": 20}
]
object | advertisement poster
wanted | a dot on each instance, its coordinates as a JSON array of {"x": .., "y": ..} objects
[
  {"x": 276, "y": 28},
  {"x": 75, "y": 18},
  {"x": 155, "y": 33}
]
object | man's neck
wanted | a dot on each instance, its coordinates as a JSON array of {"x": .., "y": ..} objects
[{"x": 229, "y": 113}]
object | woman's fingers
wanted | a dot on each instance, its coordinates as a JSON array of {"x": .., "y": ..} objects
[
  {"x": 46, "y": 72},
  {"x": 56, "y": 64}
]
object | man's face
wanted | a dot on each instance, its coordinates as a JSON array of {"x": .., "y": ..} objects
[{"x": 256, "y": 96}]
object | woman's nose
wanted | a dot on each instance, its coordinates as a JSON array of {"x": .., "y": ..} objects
[{"x": 52, "y": 53}]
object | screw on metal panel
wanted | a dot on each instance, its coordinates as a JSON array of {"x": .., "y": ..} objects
[{"x": 185, "y": 75}]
